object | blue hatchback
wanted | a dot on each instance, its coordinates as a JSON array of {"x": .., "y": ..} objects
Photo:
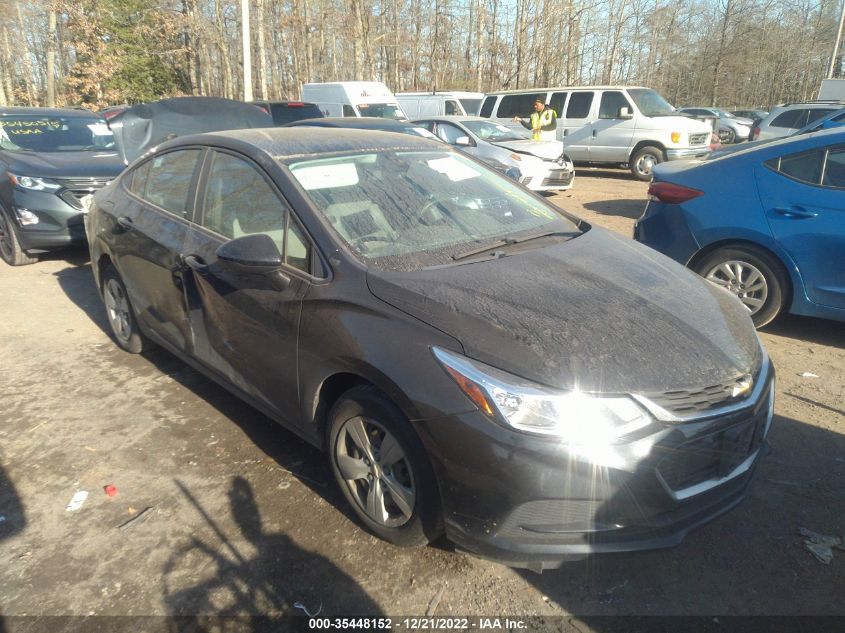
[{"x": 766, "y": 223}]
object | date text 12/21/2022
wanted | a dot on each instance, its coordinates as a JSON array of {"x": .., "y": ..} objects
[{"x": 416, "y": 623}]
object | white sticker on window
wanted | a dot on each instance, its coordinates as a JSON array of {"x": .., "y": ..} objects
[
  {"x": 100, "y": 129},
  {"x": 423, "y": 132},
  {"x": 327, "y": 176},
  {"x": 452, "y": 168}
]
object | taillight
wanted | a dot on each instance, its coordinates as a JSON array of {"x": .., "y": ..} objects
[
  {"x": 755, "y": 133},
  {"x": 671, "y": 193}
]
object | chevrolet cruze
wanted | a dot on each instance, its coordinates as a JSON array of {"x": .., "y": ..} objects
[{"x": 474, "y": 360}]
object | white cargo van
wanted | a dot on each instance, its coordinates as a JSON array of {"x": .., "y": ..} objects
[
  {"x": 610, "y": 124},
  {"x": 454, "y": 103},
  {"x": 354, "y": 98}
]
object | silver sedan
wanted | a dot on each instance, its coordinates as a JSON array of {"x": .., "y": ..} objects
[{"x": 542, "y": 165}]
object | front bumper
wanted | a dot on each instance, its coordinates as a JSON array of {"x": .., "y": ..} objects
[
  {"x": 686, "y": 154},
  {"x": 550, "y": 177},
  {"x": 528, "y": 502},
  {"x": 59, "y": 223}
]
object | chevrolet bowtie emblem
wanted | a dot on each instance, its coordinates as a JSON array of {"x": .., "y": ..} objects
[{"x": 742, "y": 387}]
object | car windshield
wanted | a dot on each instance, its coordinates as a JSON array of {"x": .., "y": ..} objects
[
  {"x": 31, "y": 133},
  {"x": 382, "y": 110},
  {"x": 471, "y": 106},
  {"x": 650, "y": 103},
  {"x": 495, "y": 132},
  {"x": 724, "y": 114},
  {"x": 405, "y": 210}
]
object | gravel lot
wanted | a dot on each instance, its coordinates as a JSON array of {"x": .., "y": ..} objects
[{"x": 244, "y": 518}]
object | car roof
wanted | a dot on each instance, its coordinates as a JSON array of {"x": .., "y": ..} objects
[
  {"x": 67, "y": 112},
  {"x": 362, "y": 123},
  {"x": 291, "y": 142},
  {"x": 454, "y": 117},
  {"x": 776, "y": 146}
]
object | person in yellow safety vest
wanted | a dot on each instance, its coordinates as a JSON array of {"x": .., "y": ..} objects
[{"x": 542, "y": 123}]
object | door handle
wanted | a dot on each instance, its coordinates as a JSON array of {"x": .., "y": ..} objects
[
  {"x": 594, "y": 132},
  {"x": 195, "y": 263},
  {"x": 795, "y": 212},
  {"x": 126, "y": 223}
]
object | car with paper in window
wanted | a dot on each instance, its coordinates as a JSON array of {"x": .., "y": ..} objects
[{"x": 473, "y": 360}]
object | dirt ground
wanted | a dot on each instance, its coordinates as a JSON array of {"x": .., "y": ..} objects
[{"x": 235, "y": 515}]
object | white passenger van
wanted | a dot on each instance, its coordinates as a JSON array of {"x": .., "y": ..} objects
[
  {"x": 455, "y": 103},
  {"x": 353, "y": 98},
  {"x": 610, "y": 124}
]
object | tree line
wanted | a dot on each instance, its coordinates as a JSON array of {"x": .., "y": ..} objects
[{"x": 695, "y": 52}]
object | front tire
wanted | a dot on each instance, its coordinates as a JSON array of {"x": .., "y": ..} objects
[
  {"x": 382, "y": 468},
  {"x": 120, "y": 314},
  {"x": 10, "y": 247},
  {"x": 643, "y": 162},
  {"x": 754, "y": 276},
  {"x": 727, "y": 135}
]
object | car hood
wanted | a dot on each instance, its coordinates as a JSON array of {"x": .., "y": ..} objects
[
  {"x": 599, "y": 312},
  {"x": 142, "y": 127},
  {"x": 681, "y": 123},
  {"x": 741, "y": 120},
  {"x": 547, "y": 150},
  {"x": 65, "y": 164}
]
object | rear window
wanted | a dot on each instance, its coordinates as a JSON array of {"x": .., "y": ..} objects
[
  {"x": 286, "y": 113},
  {"x": 169, "y": 180},
  {"x": 518, "y": 105}
]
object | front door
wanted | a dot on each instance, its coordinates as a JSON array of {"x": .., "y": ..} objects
[
  {"x": 803, "y": 196},
  {"x": 245, "y": 326},
  {"x": 612, "y": 135}
]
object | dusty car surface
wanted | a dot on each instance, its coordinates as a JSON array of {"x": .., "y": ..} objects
[{"x": 473, "y": 360}]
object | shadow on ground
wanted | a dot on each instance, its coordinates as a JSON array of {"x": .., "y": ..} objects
[
  {"x": 812, "y": 330},
  {"x": 631, "y": 209},
  {"x": 585, "y": 171}
]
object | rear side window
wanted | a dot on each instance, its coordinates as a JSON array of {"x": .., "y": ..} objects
[
  {"x": 805, "y": 167},
  {"x": 169, "y": 180},
  {"x": 487, "y": 107},
  {"x": 348, "y": 110},
  {"x": 611, "y": 102},
  {"x": 557, "y": 102},
  {"x": 789, "y": 119},
  {"x": 518, "y": 105},
  {"x": 579, "y": 105}
]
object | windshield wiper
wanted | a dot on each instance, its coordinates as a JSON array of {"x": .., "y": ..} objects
[{"x": 509, "y": 241}]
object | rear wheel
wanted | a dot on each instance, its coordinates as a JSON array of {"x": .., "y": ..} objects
[
  {"x": 120, "y": 315},
  {"x": 382, "y": 468},
  {"x": 727, "y": 135},
  {"x": 754, "y": 276},
  {"x": 643, "y": 162},
  {"x": 10, "y": 247}
]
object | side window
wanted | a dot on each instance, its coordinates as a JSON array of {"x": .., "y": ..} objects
[
  {"x": 239, "y": 201},
  {"x": 805, "y": 167},
  {"x": 169, "y": 180},
  {"x": 557, "y": 102},
  {"x": 518, "y": 105},
  {"x": 611, "y": 101},
  {"x": 815, "y": 114},
  {"x": 452, "y": 108},
  {"x": 579, "y": 105},
  {"x": 487, "y": 107},
  {"x": 834, "y": 169},
  {"x": 348, "y": 110},
  {"x": 449, "y": 133},
  {"x": 139, "y": 179},
  {"x": 788, "y": 119},
  {"x": 297, "y": 247}
]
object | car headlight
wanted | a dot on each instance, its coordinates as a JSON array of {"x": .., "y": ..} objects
[
  {"x": 32, "y": 183},
  {"x": 578, "y": 418}
]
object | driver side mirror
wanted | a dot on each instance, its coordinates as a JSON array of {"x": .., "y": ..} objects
[
  {"x": 255, "y": 254},
  {"x": 464, "y": 141},
  {"x": 625, "y": 113}
]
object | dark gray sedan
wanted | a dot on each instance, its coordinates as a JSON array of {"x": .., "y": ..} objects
[{"x": 472, "y": 359}]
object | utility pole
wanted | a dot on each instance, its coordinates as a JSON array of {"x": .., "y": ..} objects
[
  {"x": 836, "y": 44},
  {"x": 247, "y": 50}
]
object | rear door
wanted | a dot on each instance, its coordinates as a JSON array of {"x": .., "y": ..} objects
[
  {"x": 803, "y": 196},
  {"x": 245, "y": 327},
  {"x": 153, "y": 228}
]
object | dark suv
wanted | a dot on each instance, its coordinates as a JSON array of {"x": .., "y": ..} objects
[{"x": 50, "y": 160}]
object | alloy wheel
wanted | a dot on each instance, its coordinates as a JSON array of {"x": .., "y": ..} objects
[
  {"x": 743, "y": 280},
  {"x": 376, "y": 471},
  {"x": 645, "y": 164},
  {"x": 117, "y": 308}
]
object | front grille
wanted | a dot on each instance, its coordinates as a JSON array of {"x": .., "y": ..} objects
[
  {"x": 689, "y": 401},
  {"x": 76, "y": 188},
  {"x": 699, "y": 139},
  {"x": 713, "y": 456},
  {"x": 558, "y": 178}
]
